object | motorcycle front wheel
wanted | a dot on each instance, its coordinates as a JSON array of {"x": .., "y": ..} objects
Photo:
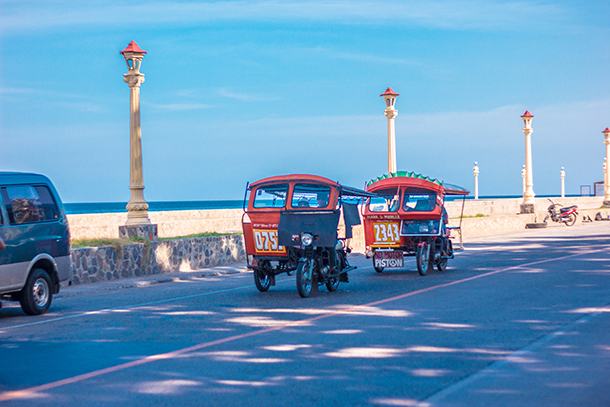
[
  {"x": 571, "y": 220},
  {"x": 422, "y": 259},
  {"x": 304, "y": 277}
]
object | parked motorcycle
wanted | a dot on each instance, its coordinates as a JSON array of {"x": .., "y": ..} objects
[{"x": 557, "y": 213}]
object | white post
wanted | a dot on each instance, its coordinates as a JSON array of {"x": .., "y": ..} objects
[
  {"x": 390, "y": 112},
  {"x": 523, "y": 178},
  {"x": 607, "y": 174},
  {"x": 475, "y": 169},
  {"x": 604, "y": 167},
  {"x": 563, "y": 183},
  {"x": 528, "y": 195}
]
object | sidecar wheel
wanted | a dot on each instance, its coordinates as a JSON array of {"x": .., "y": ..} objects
[
  {"x": 571, "y": 220},
  {"x": 423, "y": 259},
  {"x": 332, "y": 283},
  {"x": 377, "y": 269},
  {"x": 442, "y": 265},
  {"x": 304, "y": 278},
  {"x": 262, "y": 280}
]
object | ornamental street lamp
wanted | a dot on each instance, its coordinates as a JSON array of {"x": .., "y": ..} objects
[
  {"x": 563, "y": 184},
  {"x": 137, "y": 223},
  {"x": 475, "y": 170},
  {"x": 137, "y": 208},
  {"x": 607, "y": 173},
  {"x": 390, "y": 112},
  {"x": 528, "y": 195}
]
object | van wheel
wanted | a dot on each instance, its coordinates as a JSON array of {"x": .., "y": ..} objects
[{"x": 36, "y": 296}]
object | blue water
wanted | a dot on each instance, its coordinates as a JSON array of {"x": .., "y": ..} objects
[{"x": 110, "y": 207}]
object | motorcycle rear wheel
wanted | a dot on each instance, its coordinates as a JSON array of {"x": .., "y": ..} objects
[
  {"x": 261, "y": 279},
  {"x": 442, "y": 265},
  {"x": 332, "y": 283},
  {"x": 377, "y": 269},
  {"x": 571, "y": 220}
]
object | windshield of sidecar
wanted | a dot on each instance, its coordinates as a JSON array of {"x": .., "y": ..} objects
[
  {"x": 420, "y": 200},
  {"x": 387, "y": 200},
  {"x": 305, "y": 195},
  {"x": 271, "y": 196}
]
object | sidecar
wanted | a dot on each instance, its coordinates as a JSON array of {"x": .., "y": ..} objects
[
  {"x": 290, "y": 224},
  {"x": 407, "y": 217}
]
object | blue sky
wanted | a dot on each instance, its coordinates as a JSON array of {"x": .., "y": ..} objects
[{"x": 239, "y": 90}]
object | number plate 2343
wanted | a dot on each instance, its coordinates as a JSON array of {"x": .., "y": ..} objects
[{"x": 386, "y": 233}]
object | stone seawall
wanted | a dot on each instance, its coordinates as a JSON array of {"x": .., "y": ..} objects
[{"x": 94, "y": 264}]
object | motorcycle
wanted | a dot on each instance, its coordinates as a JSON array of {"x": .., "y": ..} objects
[{"x": 557, "y": 213}]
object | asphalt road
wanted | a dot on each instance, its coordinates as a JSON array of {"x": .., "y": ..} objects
[{"x": 517, "y": 320}]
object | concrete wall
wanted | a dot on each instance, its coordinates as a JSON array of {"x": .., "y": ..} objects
[
  {"x": 184, "y": 223},
  {"x": 169, "y": 223},
  {"x": 108, "y": 263},
  {"x": 510, "y": 206}
]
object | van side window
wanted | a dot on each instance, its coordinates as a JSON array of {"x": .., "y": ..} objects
[
  {"x": 49, "y": 207},
  {"x": 27, "y": 204}
]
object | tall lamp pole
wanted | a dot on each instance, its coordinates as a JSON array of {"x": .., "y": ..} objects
[
  {"x": 563, "y": 183},
  {"x": 607, "y": 173},
  {"x": 137, "y": 208},
  {"x": 390, "y": 112},
  {"x": 528, "y": 196},
  {"x": 475, "y": 170}
]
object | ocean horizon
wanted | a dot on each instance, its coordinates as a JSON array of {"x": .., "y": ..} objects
[{"x": 78, "y": 208}]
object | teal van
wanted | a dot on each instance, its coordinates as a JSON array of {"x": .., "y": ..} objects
[{"x": 35, "y": 258}]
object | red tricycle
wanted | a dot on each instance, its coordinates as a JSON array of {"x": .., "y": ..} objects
[
  {"x": 290, "y": 224},
  {"x": 407, "y": 217}
]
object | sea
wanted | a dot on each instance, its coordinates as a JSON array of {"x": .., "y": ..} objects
[{"x": 113, "y": 207}]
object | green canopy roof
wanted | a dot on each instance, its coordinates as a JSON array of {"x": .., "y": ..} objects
[{"x": 404, "y": 174}]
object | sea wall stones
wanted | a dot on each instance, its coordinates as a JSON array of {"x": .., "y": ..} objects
[{"x": 94, "y": 264}]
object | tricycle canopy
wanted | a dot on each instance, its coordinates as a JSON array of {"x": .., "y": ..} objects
[
  {"x": 290, "y": 225},
  {"x": 407, "y": 195},
  {"x": 282, "y": 207},
  {"x": 407, "y": 217}
]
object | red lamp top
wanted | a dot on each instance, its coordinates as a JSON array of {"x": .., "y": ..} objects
[
  {"x": 133, "y": 47},
  {"x": 606, "y": 131},
  {"x": 527, "y": 114},
  {"x": 389, "y": 92}
]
